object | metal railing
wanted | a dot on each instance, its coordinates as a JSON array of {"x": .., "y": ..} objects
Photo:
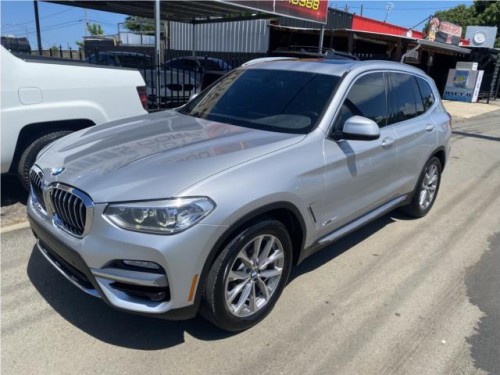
[
  {"x": 181, "y": 74},
  {"x": 59, "y": 52}
]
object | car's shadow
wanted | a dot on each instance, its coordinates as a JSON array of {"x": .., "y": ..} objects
[
  {"x": 12, "y": 191},
  {"x": 94, "y": 317},
  {"x": 345, "y": 243}
]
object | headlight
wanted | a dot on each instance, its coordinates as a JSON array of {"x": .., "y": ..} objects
[{"x": 161, "y": 217}]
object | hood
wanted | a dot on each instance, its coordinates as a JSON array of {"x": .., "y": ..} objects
[{"x": 154, "y": 156}]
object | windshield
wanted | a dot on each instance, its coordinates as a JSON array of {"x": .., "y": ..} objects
[{"x": 274, "y": 100}]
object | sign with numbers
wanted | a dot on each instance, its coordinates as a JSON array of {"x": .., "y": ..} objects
[{"x": 309, "y": 10}]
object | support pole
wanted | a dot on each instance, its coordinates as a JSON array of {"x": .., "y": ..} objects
[
  {"x": 321, "y": 38},
  {"x": 86, "y": 23},
  {"x": 37, "y": 23},
  {"x": 157, "y": 52},
  {"x": 350, "y": 43}
]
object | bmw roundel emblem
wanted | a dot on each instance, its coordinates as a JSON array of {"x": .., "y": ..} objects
[{"x": 57, "y": 171}]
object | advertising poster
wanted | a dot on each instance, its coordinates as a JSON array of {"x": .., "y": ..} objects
[
  {"x": 443, "y": 32},
  {"x": 460, "y": 78}
]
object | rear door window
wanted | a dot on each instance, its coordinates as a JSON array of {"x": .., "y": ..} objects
[
  {"x": 176, "y": 63},
  {"x": 418, "y": 98},
  {"x": 426, "y": 92},
  {"x": 402, "y": 101},
  {"x": 210, "y": 65},
  {"x": 190, "y": 64}
]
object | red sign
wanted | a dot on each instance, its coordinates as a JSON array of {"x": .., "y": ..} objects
[
  {"x": 450, "y": 28},
  {"x": 309, "y": 10}
]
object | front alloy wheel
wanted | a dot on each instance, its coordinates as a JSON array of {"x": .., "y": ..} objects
[
  {"x": 248, "y": 276},
  {"x": 254, "y": 275}
]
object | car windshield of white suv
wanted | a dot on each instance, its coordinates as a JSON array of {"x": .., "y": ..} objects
[{"x": 274, "y": 100}]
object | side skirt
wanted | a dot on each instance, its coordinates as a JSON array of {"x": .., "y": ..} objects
[{"x": 355, "y": 224}]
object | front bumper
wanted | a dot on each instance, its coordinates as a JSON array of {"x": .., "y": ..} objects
[{"x": 86, "y": 263}]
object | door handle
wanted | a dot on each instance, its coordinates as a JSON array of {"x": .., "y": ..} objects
[
  {"x": 429, "y": 128},
  {"x": 387, "y": 142}
]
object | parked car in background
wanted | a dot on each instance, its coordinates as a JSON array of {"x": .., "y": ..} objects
[
  {"x": 207, "y": 207},
  {"x": 206, "y": 70},
  {"x": 124, "y": 59},
  {"x": 198, "y": 64},
  {"x": 176, "y": 85},
  {"x": 44, "y": 99}
]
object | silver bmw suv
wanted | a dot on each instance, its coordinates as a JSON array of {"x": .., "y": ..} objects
[{"x": 207, "y": 207}]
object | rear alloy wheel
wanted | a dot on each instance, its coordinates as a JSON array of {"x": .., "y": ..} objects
[
  {"x": 248, "y": 276},
  {"x": 427, "y": 188}
]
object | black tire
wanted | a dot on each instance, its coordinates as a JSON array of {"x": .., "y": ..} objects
[
  {"x": 414, "y": 208},
  {"x": 214, "y": 305},
  {"x": 29, "y": 154}
]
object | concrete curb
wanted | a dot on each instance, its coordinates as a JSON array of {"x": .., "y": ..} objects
[{"x": 14, "y": 227}]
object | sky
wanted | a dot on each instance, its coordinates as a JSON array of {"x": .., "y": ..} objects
[{"x": 64, "y": 25}]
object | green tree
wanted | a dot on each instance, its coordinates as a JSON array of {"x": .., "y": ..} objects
[
  {"x": 460, "y": 15},
  {"x": 54, "y": 49},
  {"x": 139, "y": 25},
  {"x": 95, "y": 29},
  {"x": 488, "y": 14}
]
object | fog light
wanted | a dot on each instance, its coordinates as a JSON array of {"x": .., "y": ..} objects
[
  {"x": 142, "y": 264},
  {"x": 157, "y": 297}
]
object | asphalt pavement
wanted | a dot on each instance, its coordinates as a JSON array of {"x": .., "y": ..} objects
[{"x": 399, "y": 296}]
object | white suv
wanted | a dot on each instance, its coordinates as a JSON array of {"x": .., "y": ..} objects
[{"x": 44, "y": 99}]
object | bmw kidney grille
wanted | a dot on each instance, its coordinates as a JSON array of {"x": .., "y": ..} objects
[{"x": 70, "y": 208}]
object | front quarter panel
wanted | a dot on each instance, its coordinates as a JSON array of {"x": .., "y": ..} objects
[{"x": 293, "y": 175}]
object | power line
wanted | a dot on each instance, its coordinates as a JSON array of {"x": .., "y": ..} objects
[
  {"x": 47, "y": 28},
  {"x": 103, "y": 22},
  {"x": 401, "y": 9},
  {"x": 42, "y": 18},
  {"x": 63, "y": 26},
  {"x": 421, "y": 22},
  {"x": 44, "y": 27}
]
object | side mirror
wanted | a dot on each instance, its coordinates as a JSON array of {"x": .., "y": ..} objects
[{"x": 361, "y": 129}]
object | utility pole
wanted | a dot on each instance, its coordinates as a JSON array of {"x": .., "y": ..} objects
[
  {"x": 85, "y": 23},
  {"x": 37, "y": 23},
  {"x": 361, "y": 10}
]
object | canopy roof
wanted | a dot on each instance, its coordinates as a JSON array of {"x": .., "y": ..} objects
[
  {"x": 182, "y": 10},
  {"x": 373, "y": 36}
]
